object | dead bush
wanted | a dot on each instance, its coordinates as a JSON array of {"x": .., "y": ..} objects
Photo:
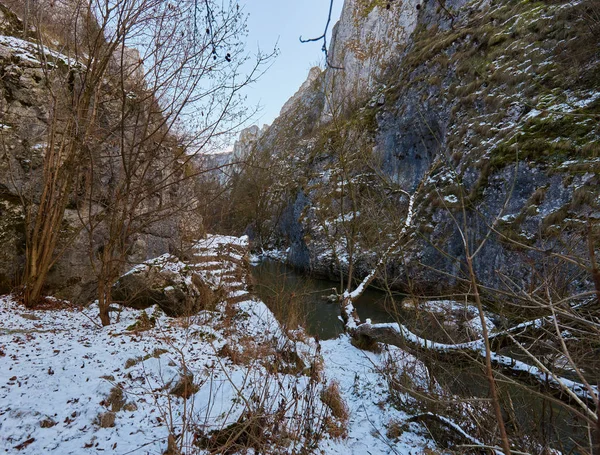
[
  {"x": 106, "y": 419},
  {"x": 116, "y": 399},
  {"x": 332, "y": 398},
  {"x": 185, "y": 387}
]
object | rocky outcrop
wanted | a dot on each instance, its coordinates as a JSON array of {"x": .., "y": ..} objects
[
  {"x": 216, "y": 271},
  {"x": 488, "y": 106},
  {"x": 368, "y": 37},
  {"x": 313, "y": 75},
  {"x": 34, "y": 81},
  {"x": 247, "y": 140},
  {"x": 159, "y": 283}
]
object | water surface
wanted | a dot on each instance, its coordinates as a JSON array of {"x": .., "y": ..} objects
[
  {"x": 302, "y": 300},
  {"x": 284, "y": 290}
]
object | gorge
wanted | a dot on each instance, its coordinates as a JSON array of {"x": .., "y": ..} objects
[{"x": 404, "y": 261}]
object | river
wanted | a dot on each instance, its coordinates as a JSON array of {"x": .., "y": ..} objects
[
  {"x": 297, "y": 299},
  {"x": 285, "y": 290}
]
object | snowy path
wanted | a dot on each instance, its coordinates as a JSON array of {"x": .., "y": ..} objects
[
  {"x": 365, "y": 391},
  {"x": 69, "y": 386}
]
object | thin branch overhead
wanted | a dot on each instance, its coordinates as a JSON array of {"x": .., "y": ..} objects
[{"x": 323, "y": 37}]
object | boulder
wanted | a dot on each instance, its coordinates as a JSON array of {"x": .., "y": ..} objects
[{"x": 168, "y": 283}]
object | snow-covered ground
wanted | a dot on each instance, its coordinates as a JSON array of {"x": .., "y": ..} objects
[
  {"x": 364, "y": 389},
  {"x": 70, "y": 386}
]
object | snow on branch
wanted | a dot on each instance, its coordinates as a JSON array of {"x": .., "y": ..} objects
[
  {"x": 348, "y": 298},
  {"x": 399, "y": 335}
]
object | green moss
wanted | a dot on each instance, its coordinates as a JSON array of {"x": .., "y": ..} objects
[
  {"x": 365, "y": 7},
  {"x": 513, "y": 237},
  {"x": 356, "y": 126},
  {"x": 550, "y": 140},
  {"x": 567, "y": 126}
]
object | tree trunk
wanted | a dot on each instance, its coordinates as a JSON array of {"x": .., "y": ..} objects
[{"x": 104, "y": 295}]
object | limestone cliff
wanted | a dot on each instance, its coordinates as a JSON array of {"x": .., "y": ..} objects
[
  {"x": 368, "y": 37},
  {"x": 488, "y": 105},
  {"x": 37, "y": 81}
]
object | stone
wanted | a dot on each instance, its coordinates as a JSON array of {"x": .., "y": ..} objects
[{"x": 168, "y": 283}]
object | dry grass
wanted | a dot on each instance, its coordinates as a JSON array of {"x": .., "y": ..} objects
[
  {"x": 143, "y": 323},
  {"x": 336, "y": 424},
  {"x": 395, "y": 429},
  {"x": 185, "y": 387},
  {"x": 116, "y": 399},
  {"x": 48, "y": 423},
  {"x": 247, "y": 432},
  {"x": 106, "y": 419},
  {"x": 332, "y": 398},
  {"x": 232, "y": 354}
]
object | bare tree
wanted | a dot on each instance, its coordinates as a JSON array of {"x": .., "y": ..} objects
[{"x": 147, "y": 87}]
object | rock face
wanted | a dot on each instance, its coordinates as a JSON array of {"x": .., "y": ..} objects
[
  {"x": 365, "y": 41},
  {"x": 313, "y": 75},
  {"x": 27, "y": 83},
  {"x": 491, "y": 106},
  {"x": 247, "y": 140},
  {"x": 215, "y": 272}
]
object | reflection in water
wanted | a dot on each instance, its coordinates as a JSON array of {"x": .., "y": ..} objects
[{"x": 281, "y": 287}]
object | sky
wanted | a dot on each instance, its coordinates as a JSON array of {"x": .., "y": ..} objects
[{"x": 281, "y": 23}]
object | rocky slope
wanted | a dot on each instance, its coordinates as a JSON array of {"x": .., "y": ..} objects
[
  {"x": 488, "y": 105},
  {"x": 37, "y": 83}
]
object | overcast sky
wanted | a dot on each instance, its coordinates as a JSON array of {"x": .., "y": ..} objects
[{"x": 282, "y": 22}]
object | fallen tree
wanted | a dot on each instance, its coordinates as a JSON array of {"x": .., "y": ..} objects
[{"x": 399, "y": 335}]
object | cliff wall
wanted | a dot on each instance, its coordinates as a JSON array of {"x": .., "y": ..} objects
[{"x": 487, "y": 106}]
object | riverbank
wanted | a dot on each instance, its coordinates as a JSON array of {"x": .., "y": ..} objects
[{"x": 153, "y": 384}]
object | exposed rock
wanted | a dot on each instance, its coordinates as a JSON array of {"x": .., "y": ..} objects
[
  {"x": 434, "y": 102},
  {"x": 368, "y": 37},
  {"x": 215, "y": 272},
  {"x": 26, "y": 119},
  {"x": 164, "y": 283},
  {"x": 313, "y": 75}
]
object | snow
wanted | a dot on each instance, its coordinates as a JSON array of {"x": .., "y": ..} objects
[
  {"x": 362, "y": 388},
  {"x": 532, "y": 114},
  {"x": 54, "y": 369},
  {"x": 537, "y": 371},
  {"x": 442, "y": 306},
  {"x": 60, "y": 366},
  {"x": 345, "y": 218},
  {"x": 509, "y": 217},
  {"x": 477, "y": 327},
  {"x": 275, "y": 254},
  {"x": 28, "y": 51}
]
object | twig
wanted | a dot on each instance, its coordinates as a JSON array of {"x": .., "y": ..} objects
[{"x": 324, "y": 38}]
